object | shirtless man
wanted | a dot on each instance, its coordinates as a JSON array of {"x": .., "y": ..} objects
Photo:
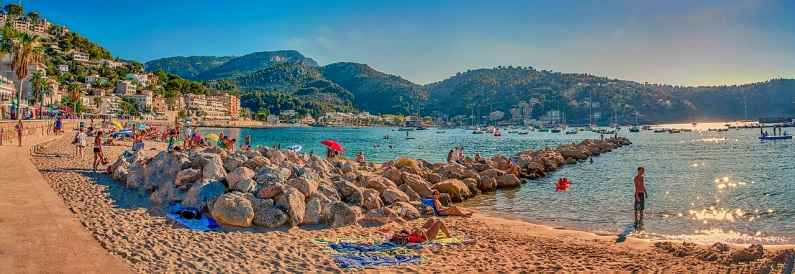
[{"x": 640, "y": 197}]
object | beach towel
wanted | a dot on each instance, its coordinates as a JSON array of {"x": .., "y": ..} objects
[
  {"x": 364, "y": 261},
  {"x": 203, "y": 224}
]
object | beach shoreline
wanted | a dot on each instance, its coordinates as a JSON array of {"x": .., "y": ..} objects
[{"x": 147, "y": 242}]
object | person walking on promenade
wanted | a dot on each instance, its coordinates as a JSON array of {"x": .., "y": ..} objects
[
  {"x": 640, "y": 197},
  {"x": 20, "y": 128}
]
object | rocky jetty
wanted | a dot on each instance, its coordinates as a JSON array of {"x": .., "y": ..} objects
[{"x": 271, "y": 188}]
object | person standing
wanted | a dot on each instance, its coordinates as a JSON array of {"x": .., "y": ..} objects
[
  {"x": 80, "y": 143},
  {"x": 20, "y": 128},
  {"x": 99, "y": 158},
  {"x": 187, "y": 140},
  {"x": 640, "y": 196},
  {"x": 58, "y": 125},
  {"x": 247, "y": 141}
]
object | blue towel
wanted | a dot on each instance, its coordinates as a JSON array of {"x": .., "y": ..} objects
[
  {"x": 362, "y": 261},
  {"x": 376, "y": 247},
  {"x": 429, "y": 202},
  {"x": 203, "y": 224}
]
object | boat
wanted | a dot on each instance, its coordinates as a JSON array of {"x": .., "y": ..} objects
[
  {"x": 778, "y": 137},
  {"x": 386, "y": 137},
  {"x": 421, "y": 128},
  {"x": 672, "y": 131},
  {"x": 408, "y": 137},
  {"x": 555, "y": 130},
  {"x": 686, "y": 130},
  {"x": 497, "y": 133},
  {"x": 544, "y": 130},
  {"x": 660, "y": 130},
  {"x": 524, "y": 132},
  {"x": 477, "y": 131},
  {"x": 406, "y": 129},
  {"x": 634, "y": 129},
  {"x": 647, "y": 127},
  {"x": 571, "y": 131},
  {"x": 295, "y": 148},
  {"x": 440, "y": 132}
]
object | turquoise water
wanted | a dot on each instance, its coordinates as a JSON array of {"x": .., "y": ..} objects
[{"x": 703, "y": 186}]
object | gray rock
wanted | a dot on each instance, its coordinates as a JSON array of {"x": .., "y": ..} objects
[
  {"x": 305, "y": 185},
  {"x": 508, "y": 180},
  {"x": 270, "y": 217},
  {"x": 293, "y": 201},
  {"x": 233, "y": 208},
  {"x": 203, "y": 192},
  {"x": 246, "y": 185},
  {"x": 413, "y": 196},
  {"x": 314, "y": 210},
  {"x": 239, "y": 174},
  {"x": 350, "y": 193},
  {"x": 214, "y": 168},
  {"x": 255, "y": 163},
  {"x": 371, "y": 199},
  {"x": 271, "y": 191},
  {"x": 405, "y": 210},
  {"x": 342, "y": 215},
  {"x": 418, "y": 184},
  {"x": 392, "y": 195},
  {"x": 234, "y": 161},
  {"x": 187, "y": 176}
]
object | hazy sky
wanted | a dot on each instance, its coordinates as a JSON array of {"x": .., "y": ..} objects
[{"x": 674, "y": 42}]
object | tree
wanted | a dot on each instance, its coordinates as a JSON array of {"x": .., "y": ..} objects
[
  {"x": 13, "y": 10},
  {"x": 74, "y": 95},
  {"x": 38, "y": 84},
  {"x": 34, "y": 17},
  {"x": 26, "y": 52}
]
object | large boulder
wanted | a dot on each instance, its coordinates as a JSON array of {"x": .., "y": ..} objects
[
  {"x": 413, "y": 196},
  {"x": 246, "y": 185},
  {"x": 751, "y": 253},
  {"x": 254, "y": 163},
  {"x": 418, "y": 184},
  {"x": 394, "y": 175},
  {"x": 276, "y": 156},
  {"x": 508, "y": 180},
  {"x": 187, "y": 176},
  {"x": 271, "y": 191},
  {"x": 405, "y": 210},
  {"x": 472, "y": 184},
  {"x": 167, "y": 192},
  {"x": 381, "y": 216},
  {"x": 163, "y": 168},
  {"x": 487, "y": 184},
  {"x": 305, "y": 185},
  {"x": 379, "y": 183},
  {"x": 371, "y": 199},
  {"x": 491, "y": 173},
  {"x": 293, "y": 201},
  {"x": 342, "y": 215},
  {"x": 317, "y": 209},
  {"x": 214, "y": 168},
  {"x": 239, "y": 174},
  {"x": 203, "y": 192},
  {"x": 135, "y": 176},
  {"x": 270, "y": 217},
  {"x": 267, "y": 174},
  {"x": 392, "y": 195},
  {"x": 328, "y": 190},
  {"x": 457, "y": 190},
  {"x": 234, "y": 161},
  {"x": 233, "y": 208},
  {"x": 120, "y": 172},
  {"x": 350, "y": 193}
]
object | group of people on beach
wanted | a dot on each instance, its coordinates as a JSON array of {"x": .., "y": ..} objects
[
  {"x": 456, "y": 155},
  {"x": 80, "y": 141}
]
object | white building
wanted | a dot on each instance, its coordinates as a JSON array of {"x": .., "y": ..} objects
[
  {"x": 80, "y": 56},
  {"x": 125, "y": 88},
  {"x": 63, "y": 68},
  {"x": 111, "y": 63}
]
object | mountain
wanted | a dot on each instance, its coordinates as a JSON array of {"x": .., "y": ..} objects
[
  {"x": 186, "y": 67},
  {"x": 287, "y": 77},
  {"x": 214, "y": 68},
  {"x": 375, "y": 91},
  {"x": 505, "y": 88}
]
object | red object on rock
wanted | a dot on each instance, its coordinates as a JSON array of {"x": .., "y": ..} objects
[{"x": 333, "y": 145}]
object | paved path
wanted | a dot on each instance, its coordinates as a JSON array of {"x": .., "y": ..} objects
[{"x": 38, "y": 234}]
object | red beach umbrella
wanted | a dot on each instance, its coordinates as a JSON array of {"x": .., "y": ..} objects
[{"x": 333, "y": 145}]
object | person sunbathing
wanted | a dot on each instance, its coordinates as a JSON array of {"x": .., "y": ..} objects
[
  {"x": 447, "y": 211},
  {"x": 428, "y": 232}
]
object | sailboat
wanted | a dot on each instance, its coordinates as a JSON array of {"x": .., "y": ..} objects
[{"x": 635, "y": 128}]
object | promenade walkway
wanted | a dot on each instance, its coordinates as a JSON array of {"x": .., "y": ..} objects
[{"x": 38, "y": 234}]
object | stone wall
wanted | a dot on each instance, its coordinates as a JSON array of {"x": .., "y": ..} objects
[{"x": 8, "y": 134}]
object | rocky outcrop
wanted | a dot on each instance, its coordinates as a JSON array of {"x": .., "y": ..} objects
[{"x": 272, "y": 188}]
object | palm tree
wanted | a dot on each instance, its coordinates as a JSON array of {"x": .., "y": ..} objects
[
  {"x": 74, "y": 95},
  {"x": 38, "y": 84},
  {"x": 26, "y": 51}
]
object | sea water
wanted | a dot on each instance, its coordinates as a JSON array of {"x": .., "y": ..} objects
[{"x": 703, "y": 186}]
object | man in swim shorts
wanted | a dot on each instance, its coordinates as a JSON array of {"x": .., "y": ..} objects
[{"x": 640, "y": 196}]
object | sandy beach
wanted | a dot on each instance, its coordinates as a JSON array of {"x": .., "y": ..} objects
[{"x": 126, "y": 224}]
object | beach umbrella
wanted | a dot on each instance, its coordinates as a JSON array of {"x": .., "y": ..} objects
[
  {"x": 333, "y": 145},
  {"x": 212, "y": 137},
  {"x": 117, "y": 124}
]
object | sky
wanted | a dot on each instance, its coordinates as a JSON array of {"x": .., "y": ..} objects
[{"x": 671, "y": 42}]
